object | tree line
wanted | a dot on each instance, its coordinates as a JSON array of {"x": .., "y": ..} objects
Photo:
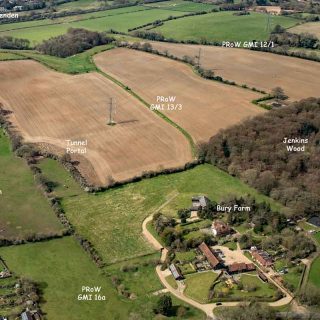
[
  {"x": 73, "y": 42},
  {"x": 255, "y": 152}
]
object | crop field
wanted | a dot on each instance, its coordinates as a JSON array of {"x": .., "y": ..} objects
[
  {"x": 223, "y": 26},
  {"x": 112, "y": 220},
  {"x": 310, "y": 27},
  {"x": 116, "y": 19},
  {"x": 299, "y": 78},
  {"x": 24, "y": 210},
  {"x": 182, "y": 5},
  {"x": 76, "y": 108},
  {"x": 207, "y": 106}
]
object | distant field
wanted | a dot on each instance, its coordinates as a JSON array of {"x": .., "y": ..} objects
[
  {"x": 314, "y": 275},
  {"x": 310, "y": 27},
  {"x": 223, "y": 26},
  {"x": 181, "y": 5},
  {"x": 207, "y": 106},
  {"x": 112, "y": 220},
  {"x": 24, "y": 210},
  {"x": 117, "y": 19},
  {"x": 141, "y": 141},
  {"x": 299, "y": 78},
  {"x": 80, "y": 4}
]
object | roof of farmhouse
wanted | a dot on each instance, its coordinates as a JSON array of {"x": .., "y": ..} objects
[{"x": 209, "y": 255}]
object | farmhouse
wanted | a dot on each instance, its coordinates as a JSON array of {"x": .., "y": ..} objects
[
  {"x": 26, "y": 316},
  {"x": 212, "y": 259},
  {"x": 199, "y": 202},
  {"x": 314, "y": 221},
  {"x": 240, "y": 267},
  {"x": 262, "y": 276},
  {"x": 262, "y": 257},
  {"x": 220, "y": 228},
  {"x": 176, "y": 273}
]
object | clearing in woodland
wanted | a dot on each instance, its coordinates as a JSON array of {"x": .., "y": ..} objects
[
  {"x": 206, "y": 106},
  {"x": 50, "y": 108},
  {"x": 299, "y": 78}
]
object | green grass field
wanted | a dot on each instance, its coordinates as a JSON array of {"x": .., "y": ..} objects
[
  {"x": 263, "y": 291},
  {"x": 24, "y": 210},
  {"x": 112, "y": 220},
  {"x": 37, "y": 31},
  {"x": 79, "y": 63},
  {"x": 293, "y": 277},
  {"x": 181, "y": 5},
  {"x": 4, "y": 56},
  {"x": 223, "y": 26},
  {"x": 314, "y": 275},
  {"x": 61, "y": 268},
  {"x": 198, "y": 285}
]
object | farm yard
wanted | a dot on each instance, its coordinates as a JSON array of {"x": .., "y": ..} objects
[
  {"x": 76, "y": 107},
  {"x": 223, "y": 26},
  {"x": 24, "y": 210},
  {"x": 207, "y": 106},
  {"x": 310, "y": 27},
  {"x": 299, "y": 78},
  {"x": 112, "y": 220}
]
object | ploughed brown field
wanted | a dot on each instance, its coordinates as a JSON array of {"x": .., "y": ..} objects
[
  {"x": 207, "y": 106},
  {"x": 50, "y": 107},
  {"x": 299, "y": 78}
]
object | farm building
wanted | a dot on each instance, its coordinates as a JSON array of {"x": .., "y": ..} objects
[
  {"x": 314, "y": 221},
  {"x": 262, "y": 257},
  {"x": 220, "y": 228},
  {"x": 240, "y": 267},
  {"x": 26, "y": 316},
  {"x": 262, "y": 276},
  {"x": 212, "y": 259},
  {"x": 176, "y": 273},
  {"x": 199, "y": 202}
]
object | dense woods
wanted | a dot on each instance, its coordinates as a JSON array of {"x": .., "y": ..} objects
[
  {"x": 73, "y": 42},
  {"x": 255, "y": 152}
]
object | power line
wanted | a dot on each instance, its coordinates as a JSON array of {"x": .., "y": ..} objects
[{"x": 112, "y": 111}]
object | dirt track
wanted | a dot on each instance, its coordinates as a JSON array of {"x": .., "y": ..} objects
[
  {"x": 50, "y": 107},
  {"x": 207, "y": 106},
  {"x": 299, "y": 78}
]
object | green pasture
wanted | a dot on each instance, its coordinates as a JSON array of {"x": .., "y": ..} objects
[
  {"x": 198, "y": 285},
  {"x": 24, "y": 209},
  {"x": 223, "y": 26},
  {"x": 38, "y": 31},
  {"x": 314, "y": 275}
]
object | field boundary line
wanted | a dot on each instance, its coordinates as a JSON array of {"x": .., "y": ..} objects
[{"x": 160, "y": 114}]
